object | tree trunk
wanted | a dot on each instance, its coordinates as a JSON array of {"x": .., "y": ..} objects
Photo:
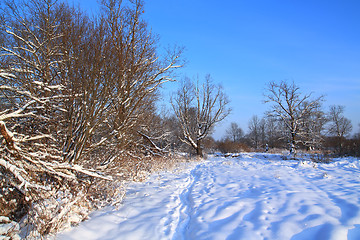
[
  {"x": 293, "y": 144},
  {"x": 199, "y": 151},
  {"x": 340, "y": 145}
]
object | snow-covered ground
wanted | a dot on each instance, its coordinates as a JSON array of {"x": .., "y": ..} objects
[{"x": 252, "y": 196}]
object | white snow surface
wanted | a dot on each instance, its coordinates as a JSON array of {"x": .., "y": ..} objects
[{"x": 251, "y": 196}]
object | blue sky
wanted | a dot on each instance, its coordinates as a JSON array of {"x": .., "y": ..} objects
[{"x": 245, "y": 44}]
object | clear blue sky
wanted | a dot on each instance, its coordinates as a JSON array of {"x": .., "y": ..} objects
[{"x": 246, "y": 44}]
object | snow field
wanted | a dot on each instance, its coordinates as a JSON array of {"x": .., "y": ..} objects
[{"x": 252, "y": 196}]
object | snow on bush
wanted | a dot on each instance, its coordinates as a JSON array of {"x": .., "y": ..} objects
[{"x": 8, "y": 229}]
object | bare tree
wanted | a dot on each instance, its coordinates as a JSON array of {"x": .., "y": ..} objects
[
  {"x": 339, "y": 126},
  {"x": 274, "y": 132},
  {"x": 235, "y": 133},
  {"x": 313, "y": 127},
  {"x": 291, "y": 107},
  {"x": 198, "y": 108},
  {"x": 257, "y": 134}
]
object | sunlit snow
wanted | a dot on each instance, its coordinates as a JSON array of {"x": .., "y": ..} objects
[{"x": 251, "y": 196}]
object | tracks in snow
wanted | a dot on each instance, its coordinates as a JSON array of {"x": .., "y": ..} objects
[
  {"x": 250, "y": 197},
  {"x": 186, "y": 205}
]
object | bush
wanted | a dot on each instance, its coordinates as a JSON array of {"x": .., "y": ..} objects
[{"x": 227, "y": 146}]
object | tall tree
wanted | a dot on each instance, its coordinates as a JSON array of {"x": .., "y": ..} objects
[
  {"x": 198, "y": 108},
  {"x": 291, "y": 107}
]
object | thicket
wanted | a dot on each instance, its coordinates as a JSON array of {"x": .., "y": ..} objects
[{"x": 77, "y": 109}]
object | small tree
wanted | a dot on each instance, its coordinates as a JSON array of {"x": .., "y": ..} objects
[
  {"x": 256, "y": 131},
  {"x": 198, "y": 108},
  {"x": 235, "y": 133},
  {"x": 313, "y": 127},
  {"x": 339, "y": 126},
  {"x": 274, "y": 133},
  {"x": 291, "y": 107}
]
